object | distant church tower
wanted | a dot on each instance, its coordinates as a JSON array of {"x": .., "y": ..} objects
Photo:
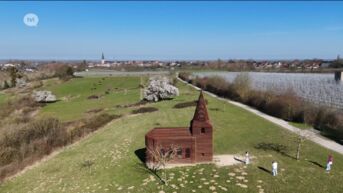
[{"x": 102, "y": 59}]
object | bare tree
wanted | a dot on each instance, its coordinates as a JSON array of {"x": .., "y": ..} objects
[
  {"x": 301, "y": 137},
  {"x": 161, "y": 156}
]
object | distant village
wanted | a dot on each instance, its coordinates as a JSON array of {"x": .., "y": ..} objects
[{"x": 251, "y": 65}]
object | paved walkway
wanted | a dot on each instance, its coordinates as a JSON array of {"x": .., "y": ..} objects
[
  {"x": 218, "y": 160},
  {"x": 311, "y": 134}
]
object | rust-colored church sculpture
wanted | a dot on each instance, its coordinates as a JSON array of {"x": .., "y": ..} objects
[{"x": 194, "y": 143}]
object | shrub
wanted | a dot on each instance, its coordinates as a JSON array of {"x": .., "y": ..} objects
[
  {"x": 257, "y": 99},
  {"x": 23, "y": 144},
  {"x": 159, "y": 88},
  {"x": 95, "y": 122},
  {"x": 37, "y": 84},
  {"x": 93, "y": 97},
  {"x": 186, "y": 76},
  {"x": 64, "y": 72},
  {"x": 144, "y": 110},
  {"x": 8, "y": 155},
  {"x": 286, "y": 105},
  {"x": 17, "y": 104},
  {"x": 34, "y": 139},
  {"x": 6, "y": 85},
  {"x": 87, "y": 126},
  {"x": 242, "y": 85}
]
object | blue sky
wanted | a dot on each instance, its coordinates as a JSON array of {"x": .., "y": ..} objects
[{"x": 172, "y": 30}]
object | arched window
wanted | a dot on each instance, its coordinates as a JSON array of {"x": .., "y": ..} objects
[{"x": 202, "y": 130}]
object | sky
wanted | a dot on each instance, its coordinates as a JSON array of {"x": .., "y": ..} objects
[{"x": 168, "y": 30}]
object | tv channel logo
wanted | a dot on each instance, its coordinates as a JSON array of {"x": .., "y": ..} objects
[{"x": 31, "y": 20}]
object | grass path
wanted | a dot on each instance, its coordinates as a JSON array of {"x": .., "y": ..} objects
[{"x": 109, "y": 160}]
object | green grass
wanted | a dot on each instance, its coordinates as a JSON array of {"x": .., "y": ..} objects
[
  {"x": 4, "y": 97},
  {"x": 115, "y": 167},
  {"x": 73, "y": 96}
]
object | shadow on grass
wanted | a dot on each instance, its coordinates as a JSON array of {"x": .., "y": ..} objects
[
  {"x": 142, "y": 167},
  {"x": 316, "y": 163},
  {"x": 279, "y": 148},
  {"x": 264, "y": 169},
  {"x": 239, "y": 160},
  {"x": 140, "y": 153}
]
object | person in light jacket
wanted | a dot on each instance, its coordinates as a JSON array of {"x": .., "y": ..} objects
[
  {"x": 247, "y": 158},
  {"x": 329, "y": 163},
  {"x": 274, "y": 168}
]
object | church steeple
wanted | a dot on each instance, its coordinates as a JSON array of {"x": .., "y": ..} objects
[
  {"x": 102, "y": 58},
  {"x": 201, "y": 110},
  {"x": 200, "y": 123}
]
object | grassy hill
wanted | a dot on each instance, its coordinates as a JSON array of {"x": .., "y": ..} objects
[
  {"x": 109, "y": 160},
  {"x": 2, "y": 98},
  {"x": 74, "y": 101}
]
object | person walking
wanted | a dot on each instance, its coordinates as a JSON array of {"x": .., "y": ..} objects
[
  {"x": 274, "y": 168},
  {"x": 247, "y": 158},
  {"x": 329, "y": 163}
]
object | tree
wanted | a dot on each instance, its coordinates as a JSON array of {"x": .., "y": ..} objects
[
  {"x": 6, "y": 85},
  {"x": 82, "y": 66},
  {"x": 300, "y": 138},
  {"x": 161, "y": 157},
  {"x": 160, "y": 88},
  {"x": 64, "y": 72},
  {"x": 14, "y": 75},
  {"x": 338, "y": 63}
]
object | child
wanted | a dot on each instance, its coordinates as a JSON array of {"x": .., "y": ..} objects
[
  {"x": 274, "y": 168},
  {"x": 247, "y": 158},
  {"x": 329, "y": 163}
]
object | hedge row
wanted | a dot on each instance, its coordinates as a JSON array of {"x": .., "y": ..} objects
[
  {"x": 21, "y": 145},
  {"x": 286, "y": 105}
]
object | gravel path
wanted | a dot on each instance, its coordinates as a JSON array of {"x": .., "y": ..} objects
[{"x": 311, "y": 134}]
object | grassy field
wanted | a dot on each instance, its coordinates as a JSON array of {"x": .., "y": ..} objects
[
  {"x": 73, "y": 96},
  {"x": 2, "y": 98},
  {"x": 109, "y": 160}
]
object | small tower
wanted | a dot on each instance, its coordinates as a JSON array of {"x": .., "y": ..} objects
[
  {"x": 102, "y": 59},
  {"x": 202, "y": 129}
]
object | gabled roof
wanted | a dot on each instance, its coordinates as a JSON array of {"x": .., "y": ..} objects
[{"x": 169, "y": 132}]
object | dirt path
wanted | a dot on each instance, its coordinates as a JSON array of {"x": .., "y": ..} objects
[
  {"x": 309, "y": 133},
  {"x": 218, "y": 160}
]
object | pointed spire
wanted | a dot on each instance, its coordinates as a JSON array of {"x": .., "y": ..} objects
[
  {"x": 102, "y": 56},
  {"x": 201, "y": 110}
]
